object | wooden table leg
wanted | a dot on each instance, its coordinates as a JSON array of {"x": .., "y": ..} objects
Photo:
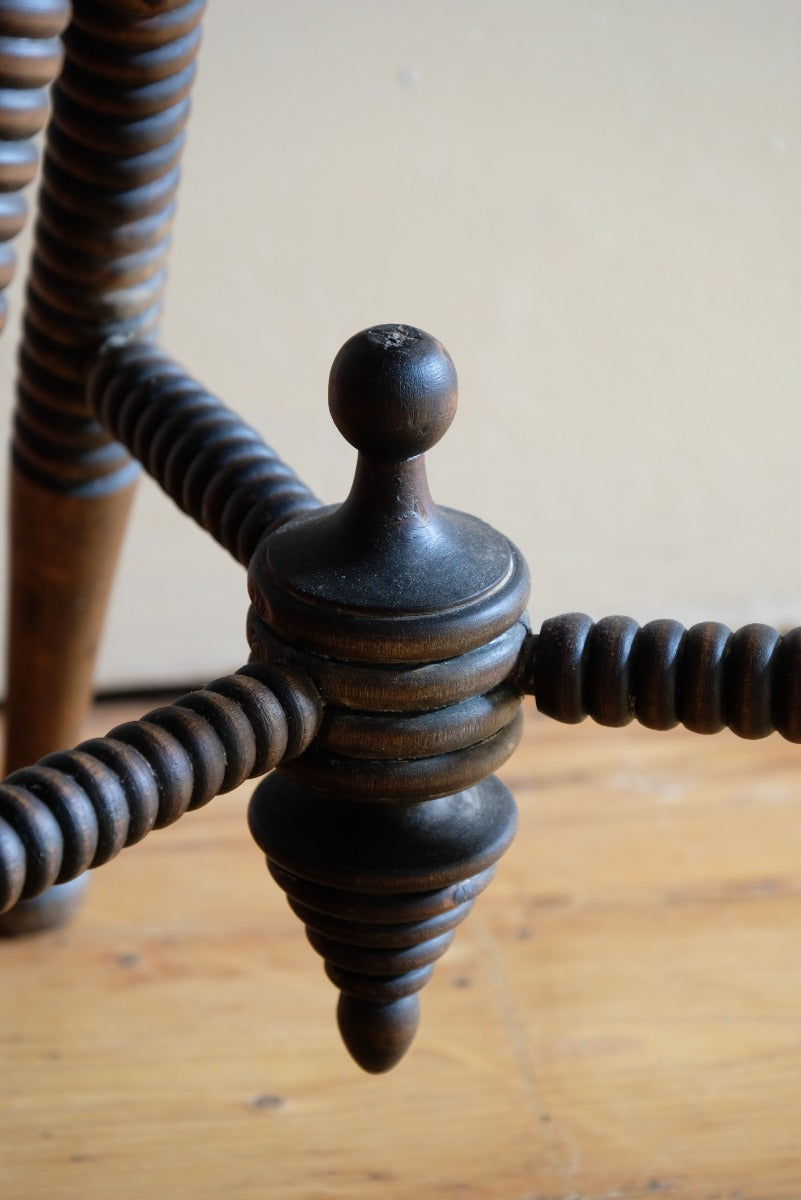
[
  {"x": 63, "y": 553},
  {"x": 109, "y": 174}
]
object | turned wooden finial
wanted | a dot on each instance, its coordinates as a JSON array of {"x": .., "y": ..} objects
[
  {"x": 392, "y": 391},
  {"x": 408, "y": 617}
]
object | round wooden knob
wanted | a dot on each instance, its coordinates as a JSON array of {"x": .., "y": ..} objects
[{"x": 392, "y": 391}]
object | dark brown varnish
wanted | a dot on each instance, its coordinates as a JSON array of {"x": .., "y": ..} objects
[
  {"x": 387, "y": 828},
  {"x": 391, "y": 652},
  {"x": 705, "y": 678},
  {"x": 216, "y": 468},
  {"x": 389, "y": 640},
  {"x": 77, "y": 809}
]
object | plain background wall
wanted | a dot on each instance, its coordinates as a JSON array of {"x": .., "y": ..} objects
[{"x": 594, "y": 205}]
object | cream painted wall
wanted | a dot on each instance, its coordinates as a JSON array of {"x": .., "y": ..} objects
[{"x": 595, "y": 205}]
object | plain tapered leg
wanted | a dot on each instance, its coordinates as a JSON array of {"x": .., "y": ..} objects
[{"x": 63, "y": 551}]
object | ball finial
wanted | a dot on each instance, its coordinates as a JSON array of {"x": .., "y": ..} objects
[{"x": 392, "y": 391}]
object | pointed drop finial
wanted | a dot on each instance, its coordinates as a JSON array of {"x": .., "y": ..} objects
[
  {"x": 385, "y": 830},
  {"x": 378, "y": 1035}
]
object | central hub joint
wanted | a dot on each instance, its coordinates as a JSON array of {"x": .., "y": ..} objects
[{"x": 409, "y": 618}]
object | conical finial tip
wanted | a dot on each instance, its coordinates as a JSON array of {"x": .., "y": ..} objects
[{"x": 378, "y": 1035}]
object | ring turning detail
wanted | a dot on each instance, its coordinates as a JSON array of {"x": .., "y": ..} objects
[
  {"x": 387, "y": 828},
  {"x": 390, "y": 648},
  {"x": 390, "y": 651}
]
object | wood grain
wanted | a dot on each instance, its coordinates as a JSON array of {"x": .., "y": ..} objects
[{"x": 618, "y": 1019}]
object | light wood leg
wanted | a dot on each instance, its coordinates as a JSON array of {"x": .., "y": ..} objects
[
  {"x": 110, "y": 170},
  {"x": 63, "y": 553}
]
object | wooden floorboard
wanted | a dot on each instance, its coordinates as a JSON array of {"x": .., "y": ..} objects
[{"x": 618, "y": 1019}]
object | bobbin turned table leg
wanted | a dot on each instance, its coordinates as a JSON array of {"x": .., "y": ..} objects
[
  {"x": 109, "y": 177},
  {"x": 31, "y": 59},
  {"x": 409, "y": 620}
]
